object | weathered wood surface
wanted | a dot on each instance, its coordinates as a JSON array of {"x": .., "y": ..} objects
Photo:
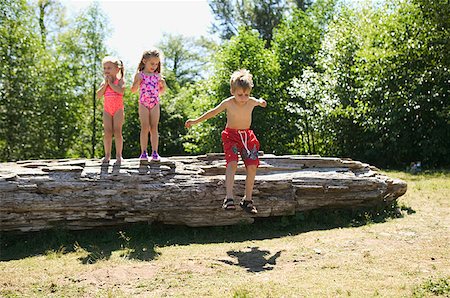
[{"x": 187, "y": 190}]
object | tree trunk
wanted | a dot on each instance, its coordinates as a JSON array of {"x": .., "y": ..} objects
[{"x": 188, "y": 190}]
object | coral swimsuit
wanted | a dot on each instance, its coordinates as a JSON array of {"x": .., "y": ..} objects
[
  {"x": 113, "y": 100},
  {"x": 149, "y": 90}
]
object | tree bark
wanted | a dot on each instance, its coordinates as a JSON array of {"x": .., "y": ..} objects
[{"x": 188, "y": 190}]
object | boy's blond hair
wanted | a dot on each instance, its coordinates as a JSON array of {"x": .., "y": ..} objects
[{"x": 241, "y": 79}]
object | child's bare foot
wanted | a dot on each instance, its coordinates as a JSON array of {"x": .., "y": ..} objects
[{"x": 105, "y": 160}]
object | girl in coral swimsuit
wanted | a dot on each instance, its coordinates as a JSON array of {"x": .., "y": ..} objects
[
  {"x": 151, "y": 84},
  {"x": 112, "y": 89}
]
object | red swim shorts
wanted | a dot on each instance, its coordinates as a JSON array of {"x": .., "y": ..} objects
[{"x": 242, "y": 141}]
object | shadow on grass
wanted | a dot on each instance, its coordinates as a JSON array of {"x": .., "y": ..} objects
[
  {"x": 139, "y": 241},
  {"x": 254, "y": 260}
]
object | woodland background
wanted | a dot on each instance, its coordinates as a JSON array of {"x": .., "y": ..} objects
[{"x": 369, "y": 81}]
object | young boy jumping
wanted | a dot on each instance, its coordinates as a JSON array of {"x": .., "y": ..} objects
[{"x": 237, "y": 136}]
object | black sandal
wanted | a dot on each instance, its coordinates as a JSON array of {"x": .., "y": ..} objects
[
  {"x": 228, "y": 204},
  {"x": 247, "y": 206}
]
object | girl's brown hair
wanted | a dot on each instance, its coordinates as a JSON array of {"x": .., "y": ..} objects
[
  {"x": 117, "y": 62},
  {"x": 148, "y": 54}
]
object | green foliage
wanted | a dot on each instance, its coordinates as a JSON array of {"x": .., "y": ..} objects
[
  {"x": 241, "y": 293},
  {"x": 438, "y": 287},
  {"x": 194, "y": 101},
  {"x": 131, "y": 127},
  {"x": 43, "y": 110},
  {"x": 401, "y": 85},
  {"x": 91, "y": 28},
  {"x": 311, "y": 104},
  {"x": 261, "y": 15},
  {"x": 184, "y": 59},
  {"x": 172, "y": 130},
  {"x": 365, "y": 81},
  {"x": 20, "y": 53},
  {"x": 296, "y": 43},
  {"x": 388, "y": 89},
  {"x": 245, "y": 50}
]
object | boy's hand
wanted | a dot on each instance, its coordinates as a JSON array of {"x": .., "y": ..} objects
[
  {"x": 189, "y": 123},
  {"x": 262, "y": 102}
]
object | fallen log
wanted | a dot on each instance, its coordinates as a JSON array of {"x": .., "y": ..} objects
[{"x": 186, "y": 190}]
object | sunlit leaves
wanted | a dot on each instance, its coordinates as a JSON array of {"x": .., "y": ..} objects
[{"x": 43, "y": 84}]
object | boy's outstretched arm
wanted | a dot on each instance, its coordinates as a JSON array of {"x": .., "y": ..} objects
[
  {"x": 259, "y": 102},
  {"x": 211, "y": 113}
]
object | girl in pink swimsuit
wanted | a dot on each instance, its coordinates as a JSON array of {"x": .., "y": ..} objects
[
  {"x": 112, "y": 89},
  {"x": 149, "y": 81}
]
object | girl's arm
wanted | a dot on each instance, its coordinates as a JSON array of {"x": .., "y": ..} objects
[
  {"x": 119, "y": 88},
  {"x": 211, "y": 113},
  {"x": 162, "y": 85},
  {"x": 101, "y": 90},
  {"x": 259, "y": 102},
  {"x": 136, "y": 82}
]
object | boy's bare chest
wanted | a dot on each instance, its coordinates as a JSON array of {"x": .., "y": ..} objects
[{"x": 240, "y": 109}]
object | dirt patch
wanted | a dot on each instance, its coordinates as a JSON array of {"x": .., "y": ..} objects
[{"x": 118, "y": 275}]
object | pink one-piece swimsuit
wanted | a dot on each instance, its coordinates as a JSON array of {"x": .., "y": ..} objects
[{"x": 149, "y": 96}]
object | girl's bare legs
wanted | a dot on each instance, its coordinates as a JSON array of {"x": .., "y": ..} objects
[
  {"x": 250, "y": 181},
  {"x": 144, "y": 117},
  {"x": 118, "y": 138},
  {"x": 154, "y": 120},
  {"x": 107, "y": 135},
  {"x": 229, "y": 178}
]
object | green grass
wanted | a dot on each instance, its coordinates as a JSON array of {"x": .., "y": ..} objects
[
  {"x": 437, "y": 287},
  {"x": 389, "y": 251},
  {"x": 138, "y": 241}
]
